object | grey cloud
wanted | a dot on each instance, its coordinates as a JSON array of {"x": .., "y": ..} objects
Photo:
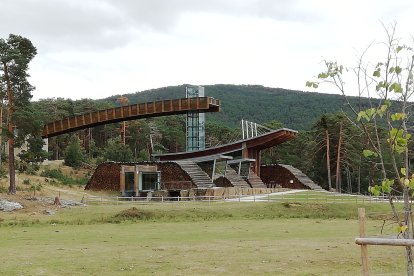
[
  {"x": 105, "y": 24},
  {"x": 60, "y": 23}
]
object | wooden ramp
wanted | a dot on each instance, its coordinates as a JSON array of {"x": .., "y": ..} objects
[{"x": 130, "y": 112}]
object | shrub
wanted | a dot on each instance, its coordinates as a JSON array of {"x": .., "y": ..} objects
[
  {"x": 133, "y": 214},
  {"x": 66, "y": 180},
  {"x": 52, "y": 173}
]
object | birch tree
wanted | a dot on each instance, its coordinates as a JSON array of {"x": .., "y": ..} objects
[{"x": 388, "y": 84}]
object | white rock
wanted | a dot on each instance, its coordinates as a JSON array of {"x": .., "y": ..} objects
[{"x": 8, "y": 206}]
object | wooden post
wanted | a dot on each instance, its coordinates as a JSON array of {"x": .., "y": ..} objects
[
  {"x": 364, "y": 247},
  {"x": 136, "y": 180},
  {"x": 122, "y": 181}
]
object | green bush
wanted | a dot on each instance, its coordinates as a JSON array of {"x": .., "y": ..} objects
[
  {"x": 66, "y": 180},
  {"x": 52, "y": 173}
]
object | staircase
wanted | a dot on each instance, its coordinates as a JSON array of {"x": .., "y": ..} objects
[
  {"x": 255, "y": 181},
  {"x": 197, "y": 175},
  {"x": 235, "y": 179},
  {"x": 302, "y": 178}
]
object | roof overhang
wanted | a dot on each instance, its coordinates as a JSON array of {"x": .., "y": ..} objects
[{"x": 267, "y": 140}]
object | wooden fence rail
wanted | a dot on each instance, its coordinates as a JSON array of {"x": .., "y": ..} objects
[{"x": 364, "y": 241}]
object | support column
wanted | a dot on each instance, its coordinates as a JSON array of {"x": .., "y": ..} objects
[
  {"x": 256, "y": 155},
  {"x": 214, "y": 170},
  {"x": 122, "y": 181},
  {"x": 258, "y": 162},
  {"x": 245, "y": 152},
  {"x": 136, "y": 176}
]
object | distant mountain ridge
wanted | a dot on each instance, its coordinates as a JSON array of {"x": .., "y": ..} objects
[{"x": 295, "y": 109}]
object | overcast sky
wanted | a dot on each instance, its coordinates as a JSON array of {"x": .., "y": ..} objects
[{"x": 98, "y": 48}]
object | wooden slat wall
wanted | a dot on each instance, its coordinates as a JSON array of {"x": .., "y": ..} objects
[{"x": 131, "y": 112}]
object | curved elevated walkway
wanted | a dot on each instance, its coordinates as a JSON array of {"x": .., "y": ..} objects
[{"x": 130, "y": 112}]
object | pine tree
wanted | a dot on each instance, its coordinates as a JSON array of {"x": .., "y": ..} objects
[{"x": 15, "y": 55}]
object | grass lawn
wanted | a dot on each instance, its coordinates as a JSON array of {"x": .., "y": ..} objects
[
  {"x": 193, "y": 238},
  {"x": 315, "y": 196}
]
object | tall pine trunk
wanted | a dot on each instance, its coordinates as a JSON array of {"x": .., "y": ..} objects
[
  {"x": 1, "y": 133},
  {"x": 12, "y": 173},
  {"x": 338, "y": 161},
  {"x": 328, "y": 160}
]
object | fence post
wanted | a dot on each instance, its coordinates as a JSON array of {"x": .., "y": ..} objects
[{"x": 364, "y": 247}]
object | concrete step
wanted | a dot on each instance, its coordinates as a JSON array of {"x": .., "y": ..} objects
[
  {"x": 235, "y": 179},
  {"x": 197, "y": 175},
  {"x": 301, "y": 177}
]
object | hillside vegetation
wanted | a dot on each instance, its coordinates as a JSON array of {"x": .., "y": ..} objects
[{"x": 295, "y": 109}]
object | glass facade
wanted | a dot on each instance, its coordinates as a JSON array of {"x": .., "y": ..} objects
[{"x": 195, "y": 123}]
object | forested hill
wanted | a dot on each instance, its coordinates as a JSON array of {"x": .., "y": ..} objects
[{"x": 295, "y": 109}]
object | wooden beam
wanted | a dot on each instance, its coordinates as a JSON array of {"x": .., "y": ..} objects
[{"x": 384, "y": 241}]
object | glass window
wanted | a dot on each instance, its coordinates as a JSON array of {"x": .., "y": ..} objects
[
  {"x": 149, "y": 181},
  {"x": 129, "y": 182}
]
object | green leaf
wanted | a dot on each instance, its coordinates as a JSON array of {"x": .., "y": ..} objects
[
  {"x": 369, "y": 153},
  {"x": 363, "y": 115},
  {"x": 381, "y": 111},
  {"x": 374, "y": 190},
  {"x": 315, "y": 85},
  {"x": 396, "y": 87},
  {"x": 379, "y": 86},
  {"x": 377, "y": 73},
  {"x": 398, "y": 69},
  {"x": 398, "y": 116},
  {"x": 398, "y": 49},
  {"x": 403, "y": 171},
  {"x": 323, "y": 76}
]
